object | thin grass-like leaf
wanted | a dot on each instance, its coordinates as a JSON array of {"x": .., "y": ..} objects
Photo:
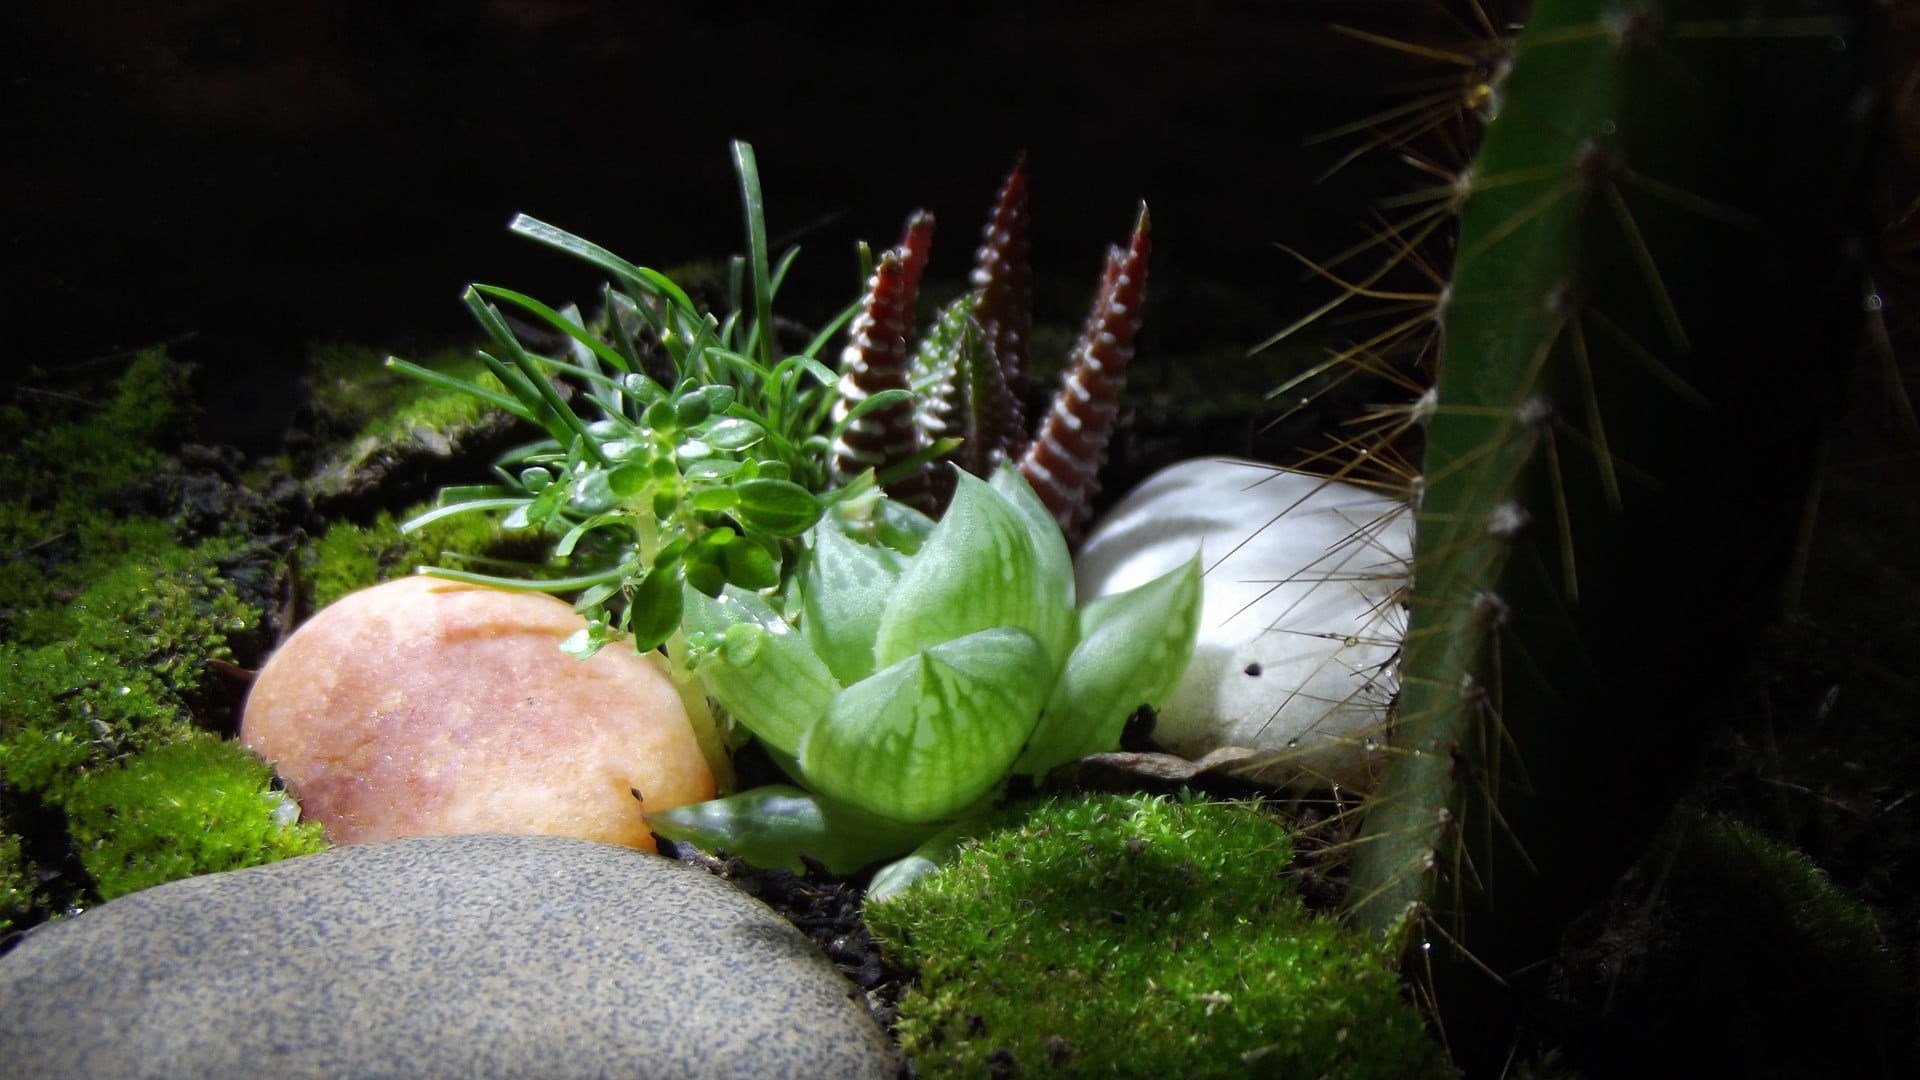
[
  {"x": 561, "y": 419},
  {"x": 439, "y": 512},
  {"x": 469, "y": 492},
  {"x": 760, "y": 337},
  {"x": 780, "y": 271},
  {"x": 532, "y": 406},
  {"x": 637, "y": 279},
  {"x": 831, "y": 330},
  {"x": 449, "y": 382},
  {"x": 546, "y": 585},
  {"x": 559, "y": 322},
  {"x": 878, "y": 400}
]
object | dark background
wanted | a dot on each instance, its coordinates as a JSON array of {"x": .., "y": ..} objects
[{"x": 246, "y": 177}]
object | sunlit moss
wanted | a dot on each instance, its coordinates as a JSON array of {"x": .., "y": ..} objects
[
  {"x": 110, "y": 622},
  {"x": 196, "y": 806},
  {"x": 1129, "y": 935},
  {"x": 354, "y": 395},
  {"x": 348, "y": 557}
]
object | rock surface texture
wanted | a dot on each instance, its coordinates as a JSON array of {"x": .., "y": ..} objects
[{"x": 452, "y": 956}]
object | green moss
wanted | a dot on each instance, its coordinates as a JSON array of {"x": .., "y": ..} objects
[
  {"x": 193, "y": 807},
  {"x": 16, "y": 882},
  {"x": 1128, "y": 935},
  {"x": 352, "y": 388},
  {"x": 110, "y": 621},
  {"x": 1760, "y": 965},
  {"x": 348, "y": 556},
  {"x": 84, "y": 443}
]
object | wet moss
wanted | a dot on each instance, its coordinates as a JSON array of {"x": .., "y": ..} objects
[{"x": 1131, "y": 935}]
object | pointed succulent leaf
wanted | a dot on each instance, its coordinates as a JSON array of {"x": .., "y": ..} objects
[
  {"x": 756, "y": 666},
  {"x": 936, "y": 372},
  {"x": 892, "y": 879},
  {"x": 977, "y": 570},
  {"x": 1003, "y": 283},
  {"x": 1053, "y": 563},
  {"x": 775, "y": 825},
  {"x": 1134, "y": 647},
  {"x": 875, "y": 360},
  {"x": 930, "y": 735},
  {"x": 844, "y": 588},
  {"x": 1064, "y": 460}
]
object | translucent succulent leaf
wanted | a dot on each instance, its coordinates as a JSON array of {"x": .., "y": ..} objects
[
  {"x": 773, "y": 826},
  {"x": 977, "y": 570},
  {"x": 934, "y": 732},
  {"x": 893, "y": 879},
  {"x": 871, "y": 519},
  {"x": 1052, "y": 561},
  {"x": 1134, "y": 646},
  {"x": 756, "y": 666},
  {"x": 844, "y": 588}
]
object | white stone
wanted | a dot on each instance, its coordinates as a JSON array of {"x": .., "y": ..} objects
[{"x": 1302, "y": 611}]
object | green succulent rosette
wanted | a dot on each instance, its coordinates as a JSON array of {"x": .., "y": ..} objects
[{"x": 913, "y": 667}]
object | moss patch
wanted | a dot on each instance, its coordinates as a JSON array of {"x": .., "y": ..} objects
[
  {"x": 112, "y": 614},
  {"x": 191, "y": 807},
  {"x": 383, "y": 435},
  {"x": 348, "y": 556},
  {"x": 1727, "y": 952},
  {"x": 1132, "y": 935}
]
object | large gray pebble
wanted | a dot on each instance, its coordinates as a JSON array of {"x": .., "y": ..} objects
[{"x": 467, "y": 956}]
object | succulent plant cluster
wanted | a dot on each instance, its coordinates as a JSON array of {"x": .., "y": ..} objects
[
  {"x": 968, "y": 374},
  {"x": 930, "y": 662},
  {"x": 727, "y": 503}
]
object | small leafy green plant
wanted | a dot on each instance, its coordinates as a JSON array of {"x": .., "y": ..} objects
[{"x": 689, "y": 456}]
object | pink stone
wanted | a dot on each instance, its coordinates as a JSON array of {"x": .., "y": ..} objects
[{"x": 423, "y": 706}]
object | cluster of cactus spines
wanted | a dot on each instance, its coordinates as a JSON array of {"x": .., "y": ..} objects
[
  {"x": 1639, "y": 334},
  {"x": 1063, "y": 461},
  {"x": 968, "y": 375}
]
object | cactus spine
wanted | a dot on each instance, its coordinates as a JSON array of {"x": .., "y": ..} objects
[{"x": 1641, "y": 327}]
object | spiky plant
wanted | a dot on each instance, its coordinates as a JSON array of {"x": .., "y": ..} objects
[
  {"x": 1631, "y": 355},
  {"x": 968, "y": 374}
]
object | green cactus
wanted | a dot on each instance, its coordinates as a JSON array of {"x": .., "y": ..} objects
[{"x": 1647, "y": 316}]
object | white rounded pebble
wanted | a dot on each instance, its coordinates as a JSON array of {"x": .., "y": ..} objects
[{"x": 1301, "y": 618}]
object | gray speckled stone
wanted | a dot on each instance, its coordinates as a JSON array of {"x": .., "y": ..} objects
[{"x": 454, "y": 956}]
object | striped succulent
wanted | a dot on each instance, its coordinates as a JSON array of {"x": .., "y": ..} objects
[{"x": 968, "y": 374}]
